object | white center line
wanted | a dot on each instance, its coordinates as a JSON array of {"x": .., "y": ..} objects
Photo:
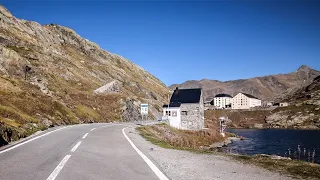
[
  {"x": 75, "y": 146},
  {"x": 154, "y": 168},
  {"x": 85, "y": 136},
  {"x": 57, "y": 170},
  {"x": 92, "y": 129}
]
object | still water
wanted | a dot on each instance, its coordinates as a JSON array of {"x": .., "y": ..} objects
[{"x": 276, "y": 141}]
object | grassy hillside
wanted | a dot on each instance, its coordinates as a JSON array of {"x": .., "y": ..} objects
[{"x": 65, "y": 69}]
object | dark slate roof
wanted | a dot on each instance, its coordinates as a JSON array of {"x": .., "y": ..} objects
[
  {"x": 186, "y": 96},
  {"x": 181, "y": 96},
  {"x": 172, "y": 105},
  {"x": 250, "y": 96},
  {"x": 223, "y": 95}
]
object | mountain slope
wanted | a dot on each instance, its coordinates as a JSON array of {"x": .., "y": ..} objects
[
  {"x": 303, "y": 111},
  {"x": 65, "y": 69},
  {"x": 267, "y": 88}
]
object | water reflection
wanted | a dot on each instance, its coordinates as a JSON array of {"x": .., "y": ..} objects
[{"x": 276, "y": 141}]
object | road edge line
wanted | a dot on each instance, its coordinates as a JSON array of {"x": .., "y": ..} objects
[
  {"x": 27, "y": 141},
  {"x": 153, "y": 167}
]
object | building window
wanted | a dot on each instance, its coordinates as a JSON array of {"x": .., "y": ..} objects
[
  {"x": 184, "y": 112},
  {"x": 168, "y": 113},
  {"x": 174, "y": 113}
]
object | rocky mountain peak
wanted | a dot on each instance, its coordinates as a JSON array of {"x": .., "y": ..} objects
[
  {"x": 5, "y": 11},
  {"x": 304, "y": 68}
]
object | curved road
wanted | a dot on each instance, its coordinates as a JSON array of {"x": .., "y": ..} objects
[{"x": 88, "y": 151}]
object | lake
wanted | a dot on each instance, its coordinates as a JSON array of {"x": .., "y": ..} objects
[{"x": 277, "y": 141}]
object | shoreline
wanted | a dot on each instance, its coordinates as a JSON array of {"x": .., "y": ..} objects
[
  {"x": 316, "y": 129},
  {"x": 273, "y": 163}
]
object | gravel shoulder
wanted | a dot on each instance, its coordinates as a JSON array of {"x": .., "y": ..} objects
[{"x": 185, "y": 165}]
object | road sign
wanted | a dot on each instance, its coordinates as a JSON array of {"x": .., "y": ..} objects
[{"x": 144, "y": 109}]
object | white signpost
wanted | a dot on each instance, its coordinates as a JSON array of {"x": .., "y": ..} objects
[
  {"x": 223, "y": 125},
  {"x": 144, "y": 111}
]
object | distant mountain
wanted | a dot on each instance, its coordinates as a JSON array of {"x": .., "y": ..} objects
[
  {"x": 303, "y": 111},
  {"x": 310, "y": 92},
  {"x": 270, "y": 87}
]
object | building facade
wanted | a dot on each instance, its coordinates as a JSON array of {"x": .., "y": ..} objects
[
  {"x": 245, "y": 101},
  {"x": 186, "y": 109},
  {"x": 222, "y": 100}
]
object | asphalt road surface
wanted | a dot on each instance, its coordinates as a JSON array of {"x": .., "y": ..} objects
[{"x": 89, "y": 151}]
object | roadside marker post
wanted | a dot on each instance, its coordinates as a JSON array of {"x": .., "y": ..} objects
[{"x": 144, "y": 108}]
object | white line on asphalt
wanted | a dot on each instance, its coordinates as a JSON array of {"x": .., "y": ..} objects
[
  {"x": 112, "y": 125},
  {"x": 25, "y": 142},
  {"x": 75, "y": 146},
  {"x": 154, "y": 168},
  {"x": 85, "y": 136},
  {"x": 57, "y": 170},
  {"x": 92, "y": 129}
]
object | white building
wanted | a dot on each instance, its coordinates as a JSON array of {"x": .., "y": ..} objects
[
  {"x": 222, "y": 100},
  {"x": 245, "y": 101}
]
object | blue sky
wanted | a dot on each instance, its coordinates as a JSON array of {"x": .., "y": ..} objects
[{"x": 192, "y": 40}]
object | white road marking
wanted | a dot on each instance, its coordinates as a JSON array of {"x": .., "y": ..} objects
[
  {"x": 75, "y": 146},
  {"x": 32, "y": 139},
  {"x": 112, "y": 125},
  {"x": 153, "y": 167},
  {"x": 57, "y": 170},
  {"x": 92, "y": 129},
  {"x": 85, "y": 136}
]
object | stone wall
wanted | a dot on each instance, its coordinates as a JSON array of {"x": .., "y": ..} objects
[
  {"x": 194, "y": 120},
  {"x": 111, "y": 87}
]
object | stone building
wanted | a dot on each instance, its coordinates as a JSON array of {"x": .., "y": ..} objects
[{"x": 186, "y": 109}]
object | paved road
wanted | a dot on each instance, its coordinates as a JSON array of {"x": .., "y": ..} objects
[{"x": 71, "y": 153}]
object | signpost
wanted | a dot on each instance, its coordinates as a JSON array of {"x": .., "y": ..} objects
[
  {"x": 144, "y": 111},
  {"x": 223, "y": 125}
]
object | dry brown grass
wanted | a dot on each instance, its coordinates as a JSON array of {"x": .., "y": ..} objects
[
  {"x": 169, "y": 137},
  {"x": 101, "y": 108},
  {"x": 22, "y": 112},
  {"x": 297, "y": 169},
  {"x": 240, "y": 119}
]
